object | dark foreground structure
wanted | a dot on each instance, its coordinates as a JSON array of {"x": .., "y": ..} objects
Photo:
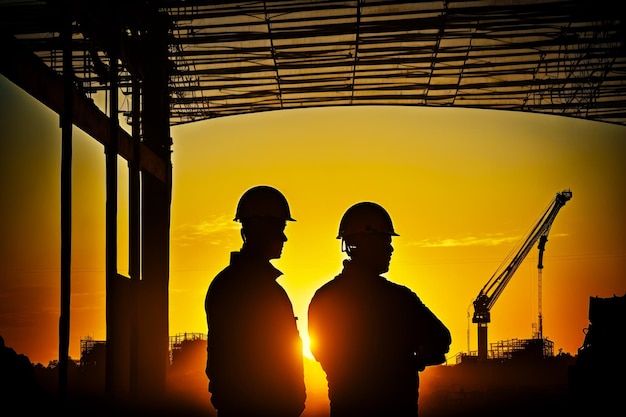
[
  {"x": 525, "y": 383},
  {"x": 491, "y": 389}
]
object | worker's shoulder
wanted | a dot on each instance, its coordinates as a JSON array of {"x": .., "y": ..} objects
[
  {"x": 329, "y": 285},
  {"x": 332, "y": 288},
  {"x": 397, "y": 290},
  {"x": 394, "y": 286},
  {"x": 223, "y": 280}
]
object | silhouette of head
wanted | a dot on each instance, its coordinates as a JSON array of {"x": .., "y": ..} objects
[
  {"x": 366, "y": 230},
  {"x": 263, "y": 212}
]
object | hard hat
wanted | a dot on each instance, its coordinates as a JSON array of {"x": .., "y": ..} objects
[
  {"x": 365, "y": 217},
  {"x": 263, "y": 201}
]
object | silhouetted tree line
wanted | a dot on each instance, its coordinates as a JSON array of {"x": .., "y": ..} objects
[
  {"x": 28, "y": 388},
  {"x": 20, "y": 384}
]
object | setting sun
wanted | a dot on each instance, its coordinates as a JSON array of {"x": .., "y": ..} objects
[{"x": 306, "y": 345}]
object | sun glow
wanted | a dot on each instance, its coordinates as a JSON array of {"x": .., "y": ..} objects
[{"x": 306, "y": 346}]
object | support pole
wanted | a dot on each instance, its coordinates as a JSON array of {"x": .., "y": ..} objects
[
  {"x": 482, "y": 341},
  {"x": 134, "y": 235},
  {"x": 541, "y": 246},
  {"x": 113, "y": 371},
  {"x": 155, "y": 214},
  {"x": 66, "y": 208}
]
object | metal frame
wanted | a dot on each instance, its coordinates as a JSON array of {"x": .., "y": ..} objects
[{"x": 557, "y": 57}]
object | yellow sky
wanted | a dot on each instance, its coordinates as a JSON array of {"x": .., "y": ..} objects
[{"x": 462, "y": 186}]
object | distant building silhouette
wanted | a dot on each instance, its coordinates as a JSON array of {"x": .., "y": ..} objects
[
  {"x": 597, "y": 379},
  {"x": 188, "y": 353}
]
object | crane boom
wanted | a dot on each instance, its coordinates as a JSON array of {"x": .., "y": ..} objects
[{"x": 489, "y": 294}]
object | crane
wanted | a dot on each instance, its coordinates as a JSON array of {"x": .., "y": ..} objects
[{"x": 489, "y": 294}]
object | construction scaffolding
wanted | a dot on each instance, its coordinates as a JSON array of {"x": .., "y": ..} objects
[
  {"x": 89, "y": 348},
  {"x": 514, "y": 348},
  {"x": 181, "y": 344},
  {"x": 511, "y": 349},
  {"x": 188, "y": 354}
]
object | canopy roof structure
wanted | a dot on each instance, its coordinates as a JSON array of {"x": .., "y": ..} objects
[{"x": 226, "y": 58}]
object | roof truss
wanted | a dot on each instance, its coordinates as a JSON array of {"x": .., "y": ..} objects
[{"x": 232, "y": 57}]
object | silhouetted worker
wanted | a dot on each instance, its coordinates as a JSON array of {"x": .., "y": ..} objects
[
  {"x": 254, "y": 360},
  {"x": 370, "y": 335}
]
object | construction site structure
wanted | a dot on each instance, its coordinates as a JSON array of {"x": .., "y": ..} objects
[
  {"x": 92, "y": 352},
  {"x": 188, "y": 351},
  {"x": 489, "y": 294},
  {"x": 182, "y": 346},
  {"x": 598, "y": 374},
  {"x": 513, "y": 349}
]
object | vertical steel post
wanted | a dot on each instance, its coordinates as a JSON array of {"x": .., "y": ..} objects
[
  {"x": 155, "y": 213},
  {"x": 134, "y": 234},
  {"x": 111, "y": 151},
  {"x": 66, "y": 206}
]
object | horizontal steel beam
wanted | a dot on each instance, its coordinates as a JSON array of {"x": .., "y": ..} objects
[{"x": 27, "y": 71}]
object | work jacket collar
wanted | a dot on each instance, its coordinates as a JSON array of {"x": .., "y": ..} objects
[{"x": 261, "y": 266}]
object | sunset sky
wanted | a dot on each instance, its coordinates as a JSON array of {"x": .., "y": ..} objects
[{"x": 463, "y": 187}]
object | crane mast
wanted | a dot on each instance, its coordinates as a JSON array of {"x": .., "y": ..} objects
[{"x": 489, "y": 294}]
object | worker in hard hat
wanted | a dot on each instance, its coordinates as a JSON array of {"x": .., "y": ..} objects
[
  {"x": 370, "y": 335},
  {"x": 254, "y": 352}
]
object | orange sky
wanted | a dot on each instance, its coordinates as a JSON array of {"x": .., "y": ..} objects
[{"x": 462, "y": 186}]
